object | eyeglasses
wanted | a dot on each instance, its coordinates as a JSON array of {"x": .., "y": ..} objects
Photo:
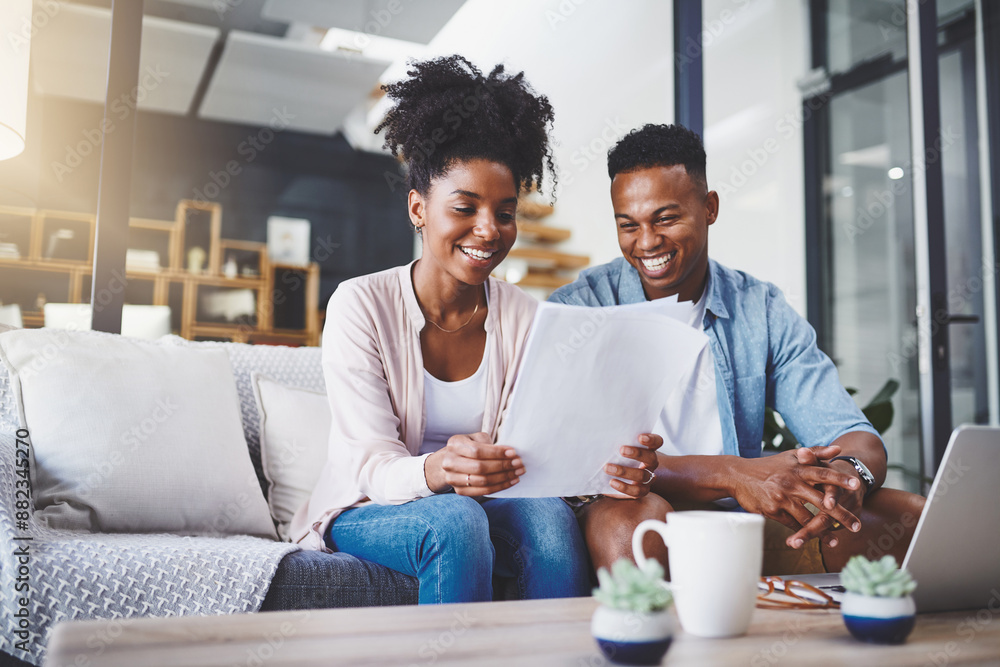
[{"x": 803, "y": 595}]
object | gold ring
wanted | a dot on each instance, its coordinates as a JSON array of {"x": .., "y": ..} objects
[
  {"x": 652, "y": 476},
  {"x": 468, "y": 479}
]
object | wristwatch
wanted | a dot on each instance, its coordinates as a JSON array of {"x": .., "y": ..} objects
[{"x": 863, "y": 471}]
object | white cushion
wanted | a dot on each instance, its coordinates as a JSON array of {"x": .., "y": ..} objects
[
  {"x": 294, "y": 429},
  {"x": 10, "y": 317},
  {"x": 133, "y": 436}
]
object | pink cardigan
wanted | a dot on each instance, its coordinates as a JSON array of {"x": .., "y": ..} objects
[{"x": 374, "y": 374}]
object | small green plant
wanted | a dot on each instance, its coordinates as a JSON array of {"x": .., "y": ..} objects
[
  {"x": 880, "y": 578},
  {"x": 629, "y": 588}
]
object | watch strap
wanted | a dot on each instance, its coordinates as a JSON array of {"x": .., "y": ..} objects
[{"x": 863, "y": 472}]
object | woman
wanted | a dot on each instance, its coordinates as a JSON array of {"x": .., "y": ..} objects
[{"x": 420, "y": 360}]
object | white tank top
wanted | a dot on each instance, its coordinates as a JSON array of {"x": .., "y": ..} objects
[{"x": 454, "y": 408}]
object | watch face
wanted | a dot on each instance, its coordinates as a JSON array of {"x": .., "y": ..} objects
[{"x": 863, "y": 470}]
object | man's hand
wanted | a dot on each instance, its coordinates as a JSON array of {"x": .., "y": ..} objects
[
  {"x": 779, "y": 486},
  {"x": 473, "y": 466},
  {"x": 849, "y": 499},
  {"x": 634, "y": 482}
]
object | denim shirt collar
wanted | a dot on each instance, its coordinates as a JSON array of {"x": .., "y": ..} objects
[
  {"x": 630, "y": 288},
  {"x": 713, "y": 286}
]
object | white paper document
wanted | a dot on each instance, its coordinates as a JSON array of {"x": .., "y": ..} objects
[{"x": 592, "y": 380}]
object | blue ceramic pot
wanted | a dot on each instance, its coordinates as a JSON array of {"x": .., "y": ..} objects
[
  {"x": 630, "y": 637},
  {"x": 879, "y": 620}
]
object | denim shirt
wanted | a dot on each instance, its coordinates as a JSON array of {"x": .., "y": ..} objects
[{"x": 765, "y": 354}]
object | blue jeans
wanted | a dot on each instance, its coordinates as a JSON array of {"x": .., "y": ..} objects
[{"x": 454, "y": 545}]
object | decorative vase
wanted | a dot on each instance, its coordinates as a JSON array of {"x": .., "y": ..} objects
[
  {"x": 632, "y": 637},
  {"x": 196, "y": 259},
  {"x": 879, "y": 620}
]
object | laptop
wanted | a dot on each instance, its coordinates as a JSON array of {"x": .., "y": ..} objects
[{"x": 955, "y": 552}]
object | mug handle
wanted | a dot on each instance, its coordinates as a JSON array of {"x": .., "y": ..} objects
[{"x": 640, "y": 532}]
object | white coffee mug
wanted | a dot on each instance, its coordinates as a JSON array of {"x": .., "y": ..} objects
[{"x": 715, "y": 562}]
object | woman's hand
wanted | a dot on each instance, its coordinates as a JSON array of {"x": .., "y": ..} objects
[
  {"x": 473, "y": 466},
  {"x": 634, "y": 482}
]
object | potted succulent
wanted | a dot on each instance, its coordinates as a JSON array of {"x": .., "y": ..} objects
[
  {"x": 632, "y": 626},
  {"x": 878, "y": 606}
]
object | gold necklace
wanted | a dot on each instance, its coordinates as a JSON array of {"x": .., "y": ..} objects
[{"x": 474, "y": 311}]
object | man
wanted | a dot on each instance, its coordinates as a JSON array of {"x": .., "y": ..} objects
[{"x": 764, "y": 354}]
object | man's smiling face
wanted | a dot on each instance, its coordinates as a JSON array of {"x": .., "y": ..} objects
[{"x": 663, "y": 216}]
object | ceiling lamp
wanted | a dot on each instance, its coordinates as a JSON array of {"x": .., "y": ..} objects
[{"x": 16, "y": 27}]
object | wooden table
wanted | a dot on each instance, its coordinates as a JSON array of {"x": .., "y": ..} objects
[{"x": 540, "y": 632}]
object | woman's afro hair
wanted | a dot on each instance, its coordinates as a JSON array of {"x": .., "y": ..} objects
[{"x": 447, "y": 111}]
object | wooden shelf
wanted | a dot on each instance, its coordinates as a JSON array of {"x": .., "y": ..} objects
[
  {"x": 68, "y": 280},
  {"x": 535, "y": 210},
  {"x": 550, "y": 259},
  {"x": 540, "y": 233},
  {"x": 534, "y": 263},
  {"x": 549, "y": 281}
]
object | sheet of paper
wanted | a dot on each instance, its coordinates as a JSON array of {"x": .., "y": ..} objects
[{"x": 592, "y": 380}]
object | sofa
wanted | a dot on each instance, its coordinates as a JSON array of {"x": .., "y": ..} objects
[{"x": 87, "y": 574}]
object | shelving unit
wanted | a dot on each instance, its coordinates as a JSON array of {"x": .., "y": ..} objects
[
  {"x": 262, "y": 303},
  {"x": 534, "y": 262}
]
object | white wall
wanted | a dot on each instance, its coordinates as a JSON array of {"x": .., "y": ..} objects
[
  {"x": 755, "y": 51},
  {"x": 606, "y": 67}
]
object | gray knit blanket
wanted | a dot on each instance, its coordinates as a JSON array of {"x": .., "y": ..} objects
[{"x": 48, "y": 576}]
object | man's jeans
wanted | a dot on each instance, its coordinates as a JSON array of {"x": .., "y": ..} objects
[{"x": 455, "y": 545}]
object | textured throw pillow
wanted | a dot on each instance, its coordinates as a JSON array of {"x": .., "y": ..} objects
[
  {"x": 133, "y": 436},
  {"x": 294, "y": 429}
]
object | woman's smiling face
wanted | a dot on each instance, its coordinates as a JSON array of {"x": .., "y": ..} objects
[{"x": 467, "y": 219}]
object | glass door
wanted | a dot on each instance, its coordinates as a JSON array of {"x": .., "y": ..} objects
[{"x": 858, "y": 153}]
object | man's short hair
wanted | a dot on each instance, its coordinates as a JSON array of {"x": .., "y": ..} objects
[{"x": 659, "y": 146}]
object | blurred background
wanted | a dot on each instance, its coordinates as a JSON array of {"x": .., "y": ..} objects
[{"x": 258, "y": 185}]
